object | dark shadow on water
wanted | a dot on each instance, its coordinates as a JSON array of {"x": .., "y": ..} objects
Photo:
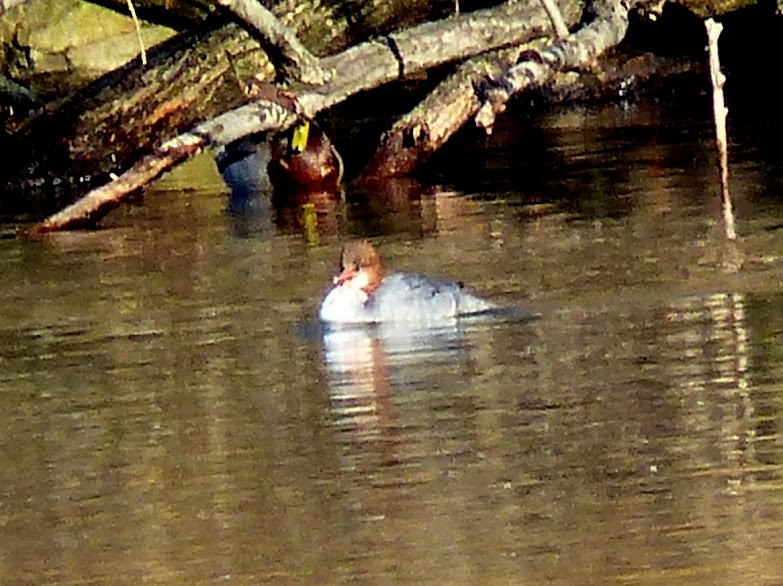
[{"x": 258, "y": 209}]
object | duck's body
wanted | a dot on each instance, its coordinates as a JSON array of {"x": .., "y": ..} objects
[{"x": 362, "y": 294}]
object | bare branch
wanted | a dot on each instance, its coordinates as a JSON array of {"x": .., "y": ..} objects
[
  {"x": 99, "y": 201},
  {"x": 283, "y": 46},
  {"x": 720, "y": 111},
  {"x": 577, "y": 49},
  {"x": 265, "y": 115},
  {"x": 360, "y": 68},
  {"x": 374, "y": 63},
  {"x": 553, "y": 11}
]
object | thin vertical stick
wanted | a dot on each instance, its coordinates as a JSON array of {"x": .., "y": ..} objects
[
  {"x": 714, "y": 30},
  {"x": 561, "y": 30},
  {"x": 138, "y": 31}
]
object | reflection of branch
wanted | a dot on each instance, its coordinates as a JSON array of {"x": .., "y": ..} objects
[
  {"x": 577, "y": 49},
  {"x": 281, "y": 44}
]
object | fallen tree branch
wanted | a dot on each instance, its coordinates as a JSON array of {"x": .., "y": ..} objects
[
  {"x": 359, "y": 68},
  {"x": 421, "y": 132},
  {"x": 99, "y": 201},
  {"x": 109, "y": 124},
  {"x": 221, "y": 130},
  {"x": 372, "y": 64},
  {"x": 578, "y": 49},
  {"x": 280, "y": 43},
  {"x": 415, "y": 137}
]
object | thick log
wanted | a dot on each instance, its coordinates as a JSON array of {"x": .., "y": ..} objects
[
  {"x": 103, "y": 129},
  {"x": 421, "y": 132},
  {"x": 359, "y": 68},
  {"x": 98, "y": 130}
]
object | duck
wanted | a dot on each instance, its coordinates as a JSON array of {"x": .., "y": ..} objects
[
  {"x": 363, "y": 293},
  {"x": 306, "y": 160}
]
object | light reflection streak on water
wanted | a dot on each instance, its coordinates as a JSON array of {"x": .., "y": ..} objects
[
  {"x": 368, "y": 367},
  {"x": 712, "y": 376}
]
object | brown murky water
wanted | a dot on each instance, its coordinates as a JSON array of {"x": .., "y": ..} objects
[{"x": 171, "y": 414}]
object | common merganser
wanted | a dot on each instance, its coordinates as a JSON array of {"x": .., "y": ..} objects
[{"x": 362, "y": 294}]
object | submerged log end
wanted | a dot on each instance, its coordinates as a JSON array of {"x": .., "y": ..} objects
[
  {"x": 403, "y": 149},
  {"x": 100, "y": 201},
  {"x": 76, "y": 216}
]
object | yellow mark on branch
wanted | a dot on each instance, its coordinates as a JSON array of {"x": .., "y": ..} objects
[{"x": 138, "y": 31}]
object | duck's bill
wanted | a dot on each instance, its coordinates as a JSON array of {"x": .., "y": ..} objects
[{"x": 346, "y": 275}]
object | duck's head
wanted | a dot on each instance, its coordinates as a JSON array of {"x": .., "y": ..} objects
[{"x": 360, "y": 267}]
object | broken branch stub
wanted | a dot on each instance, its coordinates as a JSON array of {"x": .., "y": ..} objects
[
  {"x": 578, "y": 49},
  {"x": 281, "y": 43}
]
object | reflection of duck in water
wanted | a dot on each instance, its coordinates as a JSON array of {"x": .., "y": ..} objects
[{"x": 363, "y": 294}]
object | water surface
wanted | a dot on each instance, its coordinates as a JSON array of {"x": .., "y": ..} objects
[{"x": 173, "y": 415}]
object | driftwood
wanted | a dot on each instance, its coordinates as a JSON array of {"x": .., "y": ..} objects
[
  {"x": 105, "y": 128},
  {"x": 359, "y": 68},
  {"x": 286, "y": 51},
  {"x": 416, "y": 136},
  {"x": 579, "y": 49}
]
